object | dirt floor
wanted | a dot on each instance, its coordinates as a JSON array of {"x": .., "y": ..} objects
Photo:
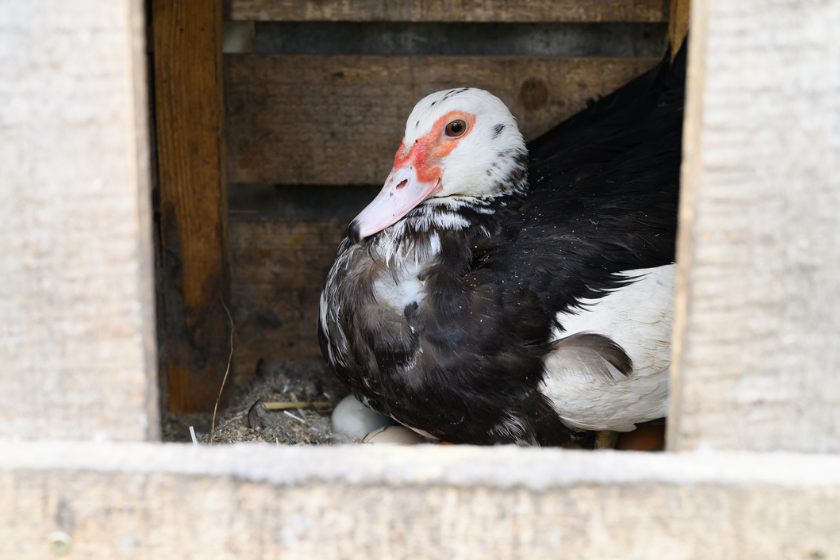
[{"x": 246, "y": 419}]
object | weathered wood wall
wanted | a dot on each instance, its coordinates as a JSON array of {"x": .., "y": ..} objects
[
  {"x": 429, "y": 502},
  {"x": 76, "y": 279},
  {"x": 757, "y": 337},
  {"x": 440, "y": 10},
  {"x": 278, "y": 268},
  {"x": 337, "y": 120}
]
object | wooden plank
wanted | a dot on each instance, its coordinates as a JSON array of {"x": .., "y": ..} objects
[
  {"x": 441, "y": 10},
  {"x": 338, "y": 120},
  {"x": 278, "y": 266},
  {"x": 76, "y": 295},
  {"x": 679, "y": 12},
  {"x": 193, "y": 199},
  {"x": 425, "y": 502},
  {"x": 758, "y": 298}
]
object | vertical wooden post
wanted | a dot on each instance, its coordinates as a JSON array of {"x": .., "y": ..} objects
[
  {"x": 193, "y": 198},
  {"x": 757, "y": 328},
  {"x": 678, "y": 16},
  {"x": 77, "y": 340}
]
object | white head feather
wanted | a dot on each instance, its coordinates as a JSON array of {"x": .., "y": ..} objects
[{"x": 485, "y": 158}]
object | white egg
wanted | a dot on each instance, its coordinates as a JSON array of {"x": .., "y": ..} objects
[
  {"x": 355, "y": 420},
  {"x": 394, "y": 435}
]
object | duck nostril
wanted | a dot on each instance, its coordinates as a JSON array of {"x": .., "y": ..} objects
[{"x": 402, "y": 184}]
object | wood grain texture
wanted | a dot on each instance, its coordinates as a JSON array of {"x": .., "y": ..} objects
[
  {"x": 76, "y": 296},
  {"x": 441, "y": 10},
  {"x": 757, "y": 331},
  {"x": 278, "y": 266},
  {"x": 338, "y": 120},
  {"x": 193, "y": 199},
  {"x": 417, "y": 503},
  {"x": 678, "y": 17}
]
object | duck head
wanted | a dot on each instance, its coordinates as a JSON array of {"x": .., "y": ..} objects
[{"x": 458, "y": 143}]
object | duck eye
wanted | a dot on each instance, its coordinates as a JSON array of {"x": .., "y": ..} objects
[{"x": 456, "y": 128}]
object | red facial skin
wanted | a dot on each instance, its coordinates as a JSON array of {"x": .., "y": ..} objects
[
  {"x": 426, "y": 152},
  {"x": 416, "y": 176}
]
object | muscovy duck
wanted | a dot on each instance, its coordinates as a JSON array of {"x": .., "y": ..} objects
[{"x": 487, "y": 297}]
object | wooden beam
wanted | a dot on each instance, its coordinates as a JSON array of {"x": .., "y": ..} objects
[
  {"x": 193, "y": 199},
  {"x": 417, "y": 503},
  {"x": 678, "y": 16},
  {"x": 536, "y": 11},
  {"x": 338, "y": 120},
  {"x": 758, "y": 295},
  {"x": 76, "y": 294}
]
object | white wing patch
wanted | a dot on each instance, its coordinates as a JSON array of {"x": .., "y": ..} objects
[
  {"x": 638, "y": 318},
  {"x": 406, "y": 290}
]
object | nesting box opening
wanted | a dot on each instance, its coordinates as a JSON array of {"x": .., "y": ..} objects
[
  {"x": 312, "y": 109},
  {"x": 753, "y": 425}
]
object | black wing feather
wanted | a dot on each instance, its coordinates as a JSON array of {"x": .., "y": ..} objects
[{"x": 605, "y": 190}]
